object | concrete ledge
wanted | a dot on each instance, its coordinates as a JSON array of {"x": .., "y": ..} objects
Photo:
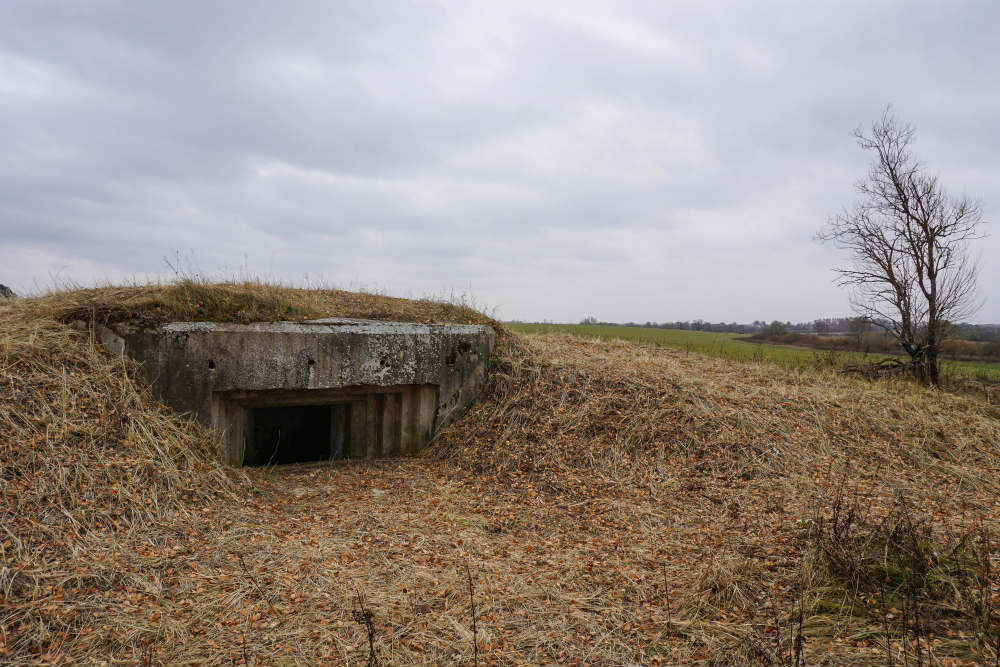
[{"x": 402, "y": 381}]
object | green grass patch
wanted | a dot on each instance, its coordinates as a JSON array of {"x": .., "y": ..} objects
[{"x": 738, "y": 348}]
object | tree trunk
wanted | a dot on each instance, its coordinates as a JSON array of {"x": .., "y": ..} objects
[
  {"x": 918, "y": 357},
  {"x": 932, "y": 364}
]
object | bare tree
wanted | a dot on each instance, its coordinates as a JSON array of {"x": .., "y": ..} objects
[{"x": 911, "y": 271}]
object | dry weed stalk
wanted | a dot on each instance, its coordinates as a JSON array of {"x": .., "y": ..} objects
[
  {"x": 472, "y": 606},
  {"x": 366, "y": 619}
]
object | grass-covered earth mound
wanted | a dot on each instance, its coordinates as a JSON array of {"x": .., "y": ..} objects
[
  {"x": 609, "y": 502},
  {"x": 242, "y": 302}
]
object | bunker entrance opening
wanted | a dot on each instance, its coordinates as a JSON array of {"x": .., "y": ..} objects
[
  {"x": 296, "y": 434},
  {"x": 273, "y": 428}
]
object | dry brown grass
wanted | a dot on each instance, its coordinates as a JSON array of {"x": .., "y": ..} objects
[
  {"x": 87, "y": 463},
  {"x": 616, "y": 503},
  {"x": 194, "y": 300},
  {"x": 726, "y": 466}
]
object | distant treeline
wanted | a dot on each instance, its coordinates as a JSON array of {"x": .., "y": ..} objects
[
  {"x": 983, "y": 333},
  {"x": 830, "y": 326},
  {"x": 880, "y": 342}
]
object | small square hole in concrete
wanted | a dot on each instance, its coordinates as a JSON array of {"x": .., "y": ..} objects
[{"x": 295, "y": 434}]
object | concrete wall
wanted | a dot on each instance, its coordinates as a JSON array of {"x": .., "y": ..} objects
[{"x": 403, "y": 381}]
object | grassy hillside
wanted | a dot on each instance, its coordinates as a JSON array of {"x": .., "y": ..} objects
[
  {"x": 609, "y": 503},
  {"x": 738, "y": 348}
]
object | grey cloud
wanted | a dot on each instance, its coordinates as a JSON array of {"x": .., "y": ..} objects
[{"x": 631, "y": 161}]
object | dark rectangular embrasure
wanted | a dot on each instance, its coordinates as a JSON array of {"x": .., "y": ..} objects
[
  {"x": 271, "y": 428},
  {"x": 289, "y": 434}
]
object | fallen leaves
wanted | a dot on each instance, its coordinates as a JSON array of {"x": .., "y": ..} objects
[{"x": 619, "y": 504}]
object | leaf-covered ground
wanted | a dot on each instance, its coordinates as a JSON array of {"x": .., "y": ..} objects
[{"x": 613, "y": 503}]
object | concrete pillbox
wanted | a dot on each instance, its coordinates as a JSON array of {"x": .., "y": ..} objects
[{"x": 389, "y": 385}]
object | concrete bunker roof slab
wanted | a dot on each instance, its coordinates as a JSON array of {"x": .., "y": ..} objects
[{"x": 332, "y": 325}]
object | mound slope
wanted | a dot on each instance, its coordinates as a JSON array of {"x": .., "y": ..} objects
[
  {"x": 756, "y": 494},
  {"x": 90, "y": 466},
  {"x": 562, "y": 404}
]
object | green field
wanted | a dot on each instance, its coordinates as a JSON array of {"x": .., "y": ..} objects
[{"x": 736, "y": 347}]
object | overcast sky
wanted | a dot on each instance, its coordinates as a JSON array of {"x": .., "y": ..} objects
[{"x": 630, "y": 161}]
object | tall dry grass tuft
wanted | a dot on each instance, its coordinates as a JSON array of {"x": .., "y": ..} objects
[{"x": 892, "y": 567}]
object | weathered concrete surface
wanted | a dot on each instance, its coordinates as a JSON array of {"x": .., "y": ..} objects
[{"x": 407, "y": 380}]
